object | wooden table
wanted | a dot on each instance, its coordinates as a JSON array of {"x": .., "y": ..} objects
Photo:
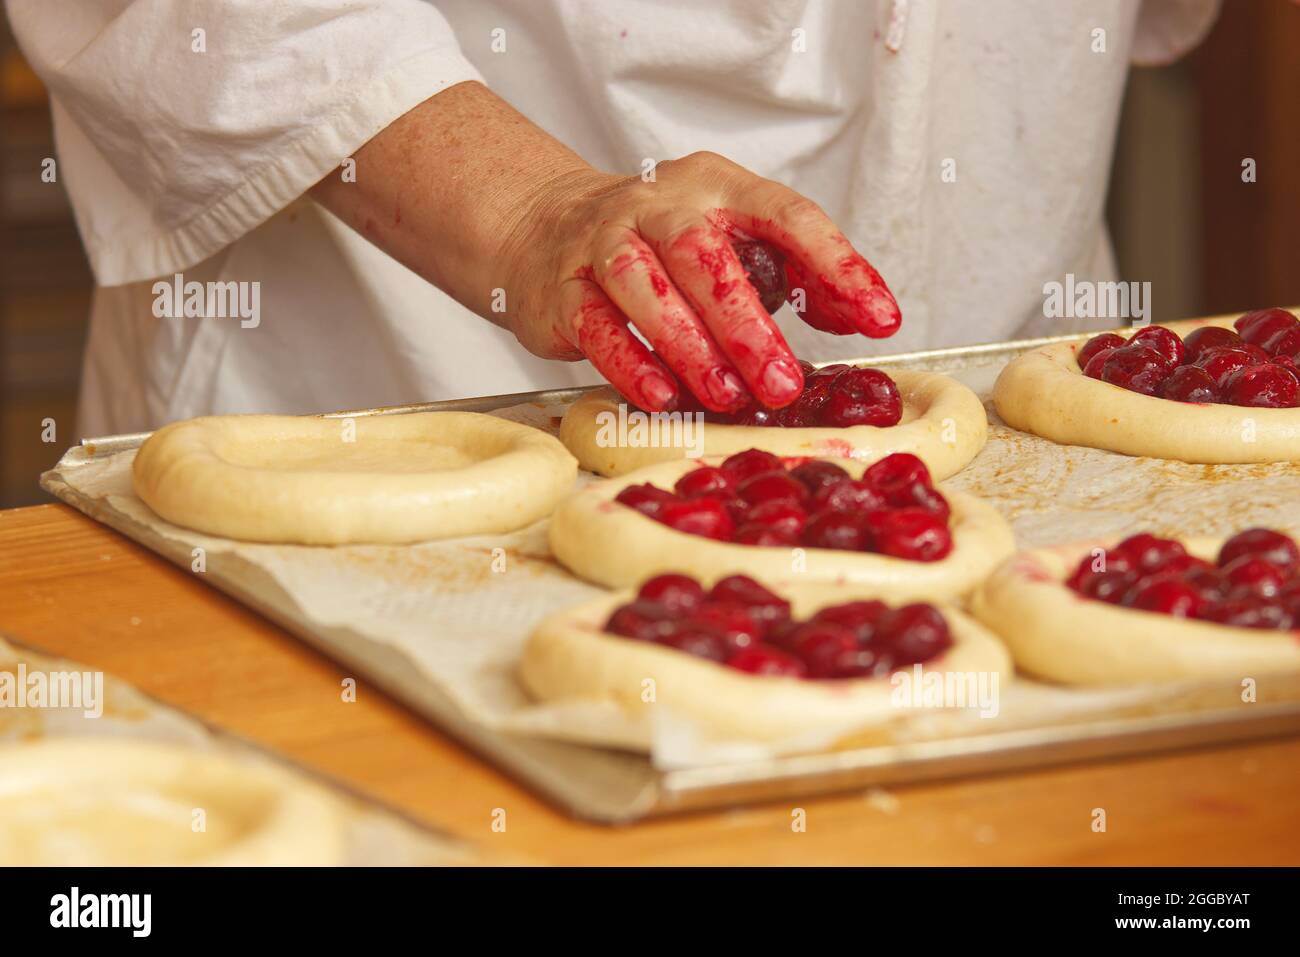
[{"x": 74, "y": 588}]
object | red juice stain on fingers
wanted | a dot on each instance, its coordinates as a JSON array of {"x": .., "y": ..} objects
[
  {"x": 585, "y": 272},
  {"x": 659, "y": 284}
]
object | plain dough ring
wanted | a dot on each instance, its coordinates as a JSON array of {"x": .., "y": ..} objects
[
  {"x": 1045, "y": 392},
  {"x": 570, "y": 658},
  {"x": 614, "y": 545},
  {"x": 1055, "y": 633},
  {"x": 943, "y": 424},
  {"x": 98, "y": 801},
  {"x": 402, "y": 478}
]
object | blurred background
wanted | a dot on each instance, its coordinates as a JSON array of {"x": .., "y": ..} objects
[{"x": 1179, "y": 213}]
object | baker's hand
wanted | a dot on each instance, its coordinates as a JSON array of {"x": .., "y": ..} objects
[{"x": 671, "y": 256}]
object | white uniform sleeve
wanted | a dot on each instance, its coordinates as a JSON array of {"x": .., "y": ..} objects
[
  {"x": 183, "y": 124},
  {"x": 1166, "y": 29}
]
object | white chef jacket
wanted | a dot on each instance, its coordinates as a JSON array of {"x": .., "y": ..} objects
[{"x": 189, "y": 130}]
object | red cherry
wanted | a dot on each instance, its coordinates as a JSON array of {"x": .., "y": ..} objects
[
  {"x": 1189, "y": 384},
  {"x": 849, "y": 495},
  {"x": 816, "y": 474},
  {"x": 910, "y": 533},
  {"x": 863, "y": 397},
  {"x": 899, "y": 470},
  {"x": 1205, "y": 578},
  {"x": 642, "y": 620},
  {"x": 767, "y": 660},
  {"x": 753, "y": 533},
  {"x": 755, "y": 415},
  {"x": 787, "y": 519},
  {"x": 1146, "y": 553},
  {"x": 1288, "y": 366},
  {"x": 1249, "y": 613},
  {"x": 730, "y": 621},
  {"x": 827, "y": 649},
  {"x": 702, "y": 480},
  {"x": 1107, "y": 340},
  {"x": 1284, "y": 344},
  {"x": 1262, "y": 386},
  {"x": 1289, "y": 597},
  {"x": 763, "y": 604},
  {"x": 695, "y": 640},
  {"x": 1273, "y": 547},
  {"x": 845, "y": 531},
  {"x": 677, "y": 593},
  {"x": 1258, "y": 326},
  {"x": 645, "y": 498},
  {"x": 860, "y": 617},
  {"x": 1097, "y": 364},
  {"x": 698, "y": 516},
  {"x": 777, "y": 485},
  {"x": 1163, "y": 341},
  {"x": 914, "y": 633},
  {"x": 1167, "y": 595},
  {"x": 1202, "y": 340},
  {"x": 1221, "y": 363},
  {"x": 1251, "y": 577},
  {"x": 750, "y": 462},
  {"x": 816, "y": 390},
  {"x": 1108, "y": 586},
  {"x": 765, "y": 269},
  {"x": 1136, "y": 368}
]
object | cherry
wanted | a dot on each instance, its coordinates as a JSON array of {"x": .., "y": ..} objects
[
  {"x": 1273, "y": 547},
  {"x": 1262, "y": 386},
  {"x": 1288, "y": 366},
  {"x": 750, "y": 462},
  {"x": 863, "y": 397},
  {"x": 1147, "y": 553},
  {"x": 1249, "y": 613},
  {"x": 1289, "y": 597},
  {"x": 645, "y": 498},
  {"x": 816, "y": 390},
  {"x": 765, "y": 269},
  {"x": 910, "y": 533},
  {"x": 702, "y": 480},
  {"x": 899, "y": 470},
  {"x": 754, "y": 533},
  {"x": 1136, "y": 368},
  {"x": 1221, "y": 363},
  {"x": 1258, "y": 326},
  {"x": 1166, "y": 594},
  {"x": 1097, "y": 364},
  {"x": 1107, "y": 340},
  {"x": 767, "y": 660},
  {"x": 1108, "y": 586},
  {"x": 785, "y": 518},
  {"x": 825, "y": 648},
  {"x": 730, "y": 621},
  {"x": 914, "y": 633},
  {"x": 698, "y": 516},
  {"x": 816, "y": 474},
  {"x": 762, "y": 603},
  {"x": 749, "y": 415},
  {"x": 1251, "y": 577},
  {"x": 845, "y": 531},
  {"x": 1205, "y": 578},
  {"x": 1284, "y": 344},
  {"x": 778, "y": 485},
  {"x": 1201, "y": 340},
  {"x": 677, "y": 593},
  {"x": 860, "y": 617},
  {"x": 1163, "y": 341},
  {"x": 1189, "y": 384},
  {"x": 642, "y": 620},
  {"x": 849, "y": 495},
  {"x": 697, "y": 641}
]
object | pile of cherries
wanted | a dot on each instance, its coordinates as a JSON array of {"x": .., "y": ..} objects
[
  {"x": 1254, "y": 582},
  {"x": 1254, "y": 366},
  {"x": 741, "y": 624},
  {"x": 756, "y": 498},
  {"x": 836, "y": 396}
]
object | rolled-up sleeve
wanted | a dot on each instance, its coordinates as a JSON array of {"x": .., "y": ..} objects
[{"x": 183, "y": 124}]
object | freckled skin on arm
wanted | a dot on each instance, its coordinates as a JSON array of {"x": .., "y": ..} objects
[{"x": 472, "y": 196}]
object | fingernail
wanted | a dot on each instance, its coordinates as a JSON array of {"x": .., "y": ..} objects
[
  {"x": 781, "y": 381},
  {"x": 726, "y": 389},
  {"x": 883, "y": 313},
  {"x": 658, "y": 393}
]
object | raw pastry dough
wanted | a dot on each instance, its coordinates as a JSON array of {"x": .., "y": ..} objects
[
  {"x": 614, "y": 545},
  {"x": 90, "y": 802},
  {"x": 943, "y": 423},
  {"x": 1045, "y": 392},
  {"x": 313, "y": 481},
  {"x": 570, "y": 658},
  {"x": 1058, "y": 634}
]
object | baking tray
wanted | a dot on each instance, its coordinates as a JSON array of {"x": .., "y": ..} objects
[{"x": 613, "y": 786}]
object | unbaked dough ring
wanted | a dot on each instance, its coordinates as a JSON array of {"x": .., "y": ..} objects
[
  {"x": 570, "y": 658},
  {"x": 90, "y": 802},
  {"x": 614, "y": 545},
  {"x": 943, "y": 424},
  {"x": 1057, "y": 634},
  {"x": 400, "y": 478},
  {"x": 1045, "y": 392}
]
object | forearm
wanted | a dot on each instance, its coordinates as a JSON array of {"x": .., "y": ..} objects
[{"x": 447, "y": 188}]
